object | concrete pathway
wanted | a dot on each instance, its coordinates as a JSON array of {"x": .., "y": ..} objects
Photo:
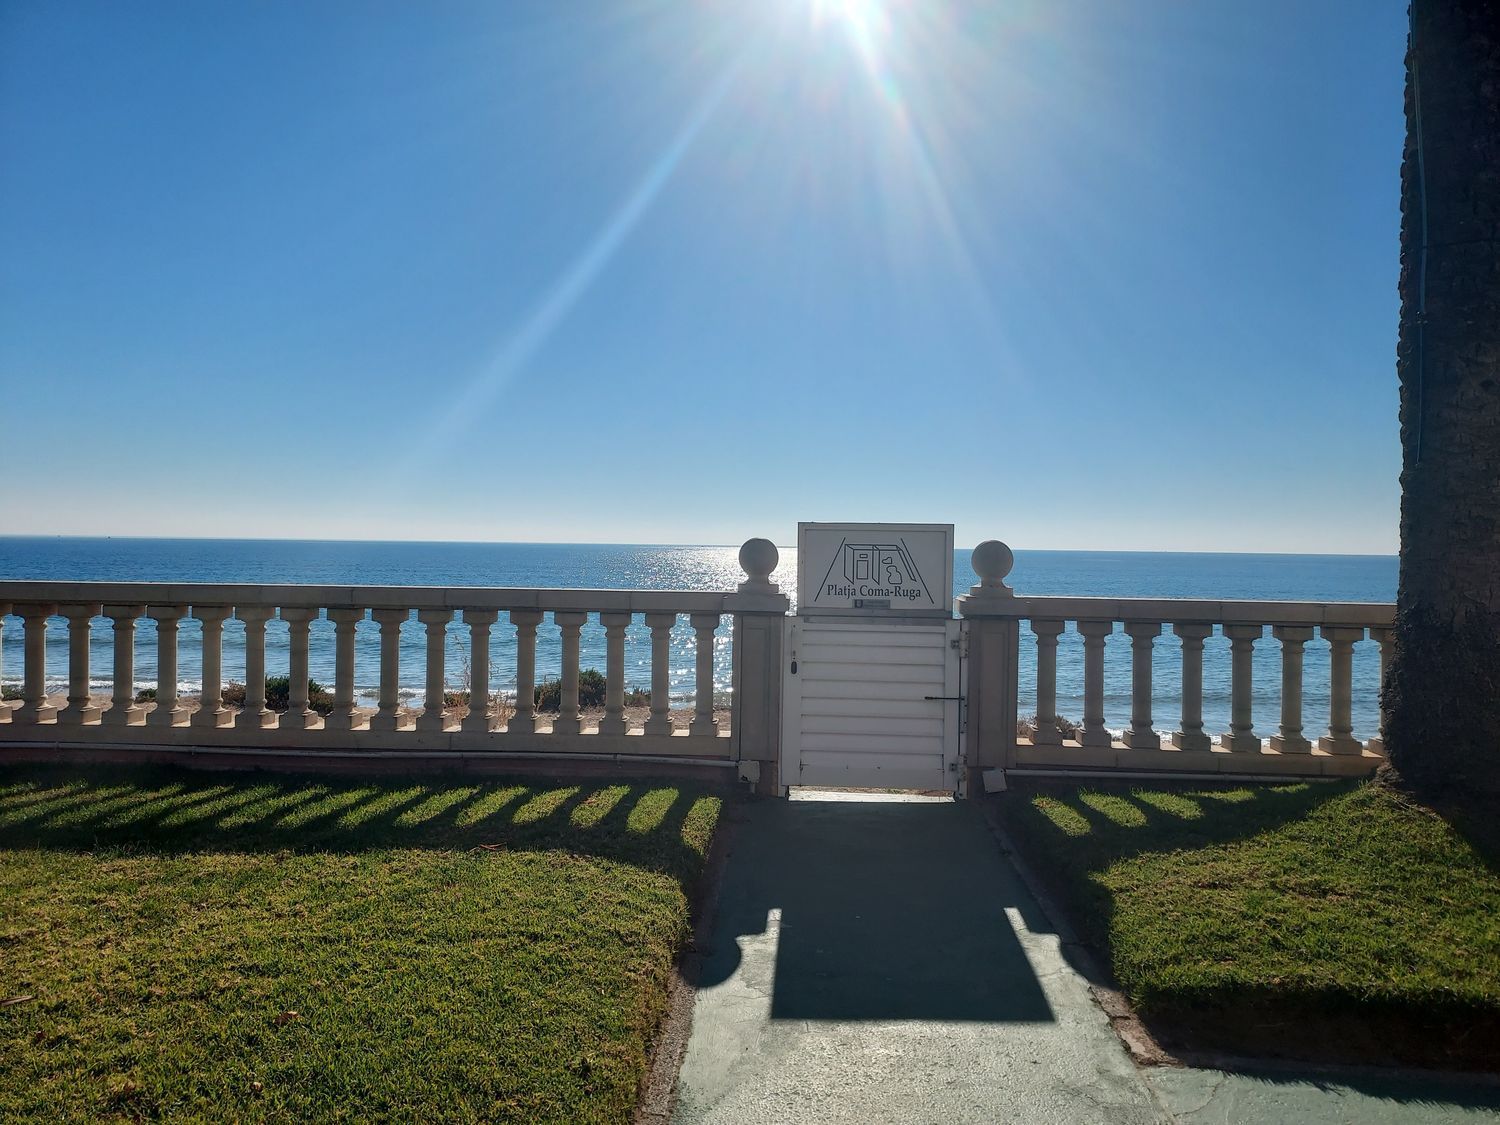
[{"x": 883, "y": 962}]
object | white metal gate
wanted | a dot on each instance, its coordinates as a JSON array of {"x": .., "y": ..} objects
[{"x": 872, "y": 704}]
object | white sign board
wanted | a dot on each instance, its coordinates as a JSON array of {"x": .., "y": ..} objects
[{"x": 876, "y": 568}]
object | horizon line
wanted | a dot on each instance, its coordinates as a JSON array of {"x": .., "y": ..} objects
[{"x": 616, "y": 543}]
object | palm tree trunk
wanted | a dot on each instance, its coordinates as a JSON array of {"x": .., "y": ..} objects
[{"x": 1442, "y": 698}]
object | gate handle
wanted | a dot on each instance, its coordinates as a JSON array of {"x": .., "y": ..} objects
[{"x": 957, "y": 698}]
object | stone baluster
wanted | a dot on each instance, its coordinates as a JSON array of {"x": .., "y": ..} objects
[
  {"x": 346, "y": 621},
  {"x": 525, "y": 621},
  {"x": 704, "y": 724},
  {"x": 1141, "y": 735},
  {"x": 1290, "y": 739},
  {"x": 211, "y": 710},
  {"x": 1340, "y": 737},
  {"x": 479, "y": 621},
  {"x": 435, "y": 622},
  {"x": 388, "y": 716},
  {"x": 1047, "y": 732},
  {"x": 1241, "y": 735},
  {"x": 34, "y": 706},
  {"x": 615, "y": 625},
  {"x": 1383, "y": 638},
  {"x": 4, "y": 706},
  {"x": 255, "y": 715},
  {"x": 567, "y": 715},
  {"x": 79, "y": 710},
  {"x": 124, "y": 711},
  {"x": 1190, "y": 735},
  {"x": 169, "y": 711},
  {"x": 660, "y": 624},
  {"x": 299, "y": 713},
  {"x": 1094, "y": 732}
]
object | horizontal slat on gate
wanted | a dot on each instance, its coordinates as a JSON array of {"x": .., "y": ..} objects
[
  {"x": 858, "y": 744},
  {"x": 826, "y": 763},
  {"x": 911, "y": 676},
  {"x": 834, "y": 690},
  {"x": 872, "y": 725},
  {"x": 882, "y": 638},
  {"x": 879, "y": 705},
  {"x": 819, "y": 654}
]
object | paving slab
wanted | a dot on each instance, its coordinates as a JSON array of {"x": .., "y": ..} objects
[{"x": 884, "y": 962}]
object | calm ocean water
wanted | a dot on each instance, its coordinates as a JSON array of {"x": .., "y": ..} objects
[{"x": 1278, "y": 577}]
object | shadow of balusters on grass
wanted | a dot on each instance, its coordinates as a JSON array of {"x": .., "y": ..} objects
[{"x": 165, "y": 811}]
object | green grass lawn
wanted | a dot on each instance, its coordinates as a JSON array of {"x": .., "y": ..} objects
[
  {"x": 1320, "y": 921},
  {"x": 252, "y": 946}
]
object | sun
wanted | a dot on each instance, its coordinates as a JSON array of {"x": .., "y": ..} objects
[{"x": 866, "y": 22}]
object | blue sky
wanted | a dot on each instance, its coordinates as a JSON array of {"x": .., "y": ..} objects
[{"x": 1075, "y": 274}]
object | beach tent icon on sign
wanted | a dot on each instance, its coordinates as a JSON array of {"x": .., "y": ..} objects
[{"x": 886, "y": 563}]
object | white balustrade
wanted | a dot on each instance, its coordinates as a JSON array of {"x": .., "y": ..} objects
[
  {"x": 1289, "y": 739},
  {"x": 703, "y": 724},
  {"x": 435, "y": 621},
  {"x": 169, "y": 711},
  {"x": 216, "y": 719},
  {"x": 80, "y": 709},
  {"x": 614, "y": 677},
  {"x": 660, "y": 624},
  {"x": 479, "y": 621},
  {"x": 124, "y": 711},
  {"x": 1189, "y": 734},
  {"x": 1190, "y": 747},
  {"x": 1141, "y": 735},
  {"x": 211, "y": 710},
  {"x": 34, "y": 706}
]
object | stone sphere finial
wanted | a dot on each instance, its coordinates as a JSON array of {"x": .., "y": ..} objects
[
  {"x": 992, "y": 561},
  {"x": 758, "y": 558}
]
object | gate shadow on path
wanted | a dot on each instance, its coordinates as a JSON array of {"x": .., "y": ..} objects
[{"x": 866, "y": 911}]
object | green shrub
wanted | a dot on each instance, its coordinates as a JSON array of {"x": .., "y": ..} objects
[
  {"x": 146, "y": 695},
  {"x": 10, "y": 692},
  {"x": 279, "y": 695},
  {"x": 591, "y": 688}
]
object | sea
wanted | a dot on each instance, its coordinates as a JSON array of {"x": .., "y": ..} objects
[{"x": 1356, "y": 578}]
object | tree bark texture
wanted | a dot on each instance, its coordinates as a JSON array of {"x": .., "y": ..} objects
[{"x": 1442, "y": 695}]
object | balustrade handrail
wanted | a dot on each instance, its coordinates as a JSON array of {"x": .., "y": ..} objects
[
  {"x": 1377, "y": 615},
  {"x": 305, "y": 596}
]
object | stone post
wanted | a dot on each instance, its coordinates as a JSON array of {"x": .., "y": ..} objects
[
  {"x": 1141, "y": 735},
  {"x": 211, "y": 710},
  {"x": 124, "y": 711},
  {"x": 991, "y": 687},
  {"x": 703, "y": 724},
  {"x": 1289, "y": 739},
  {"x": 299, "y": 713},
  {"x": 614, "y": 678},
  {"x": 34, "y": 706},
  {"x": 1047, "y": 732},
  {"x": 169, "y": 711},
  {"x": 346, "y": 621},
  {"x": 660, "y": 720},
  {"x": 255, "y": 715},
  {"x": 759, "y": 608},
  {"x": 388, "y": 717},
  {"x": 570, "y": 624},
  {"x": 479, "y": 621},
  {"x": 1190, "y": 734},
  {"x": 436, "y": 623},
  {"x": 1241, "y": 736},
  {"x": 1340, "y": 738},
  {"x": 525, "y": 621},
  {"x": 1094, "y": 732}
]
